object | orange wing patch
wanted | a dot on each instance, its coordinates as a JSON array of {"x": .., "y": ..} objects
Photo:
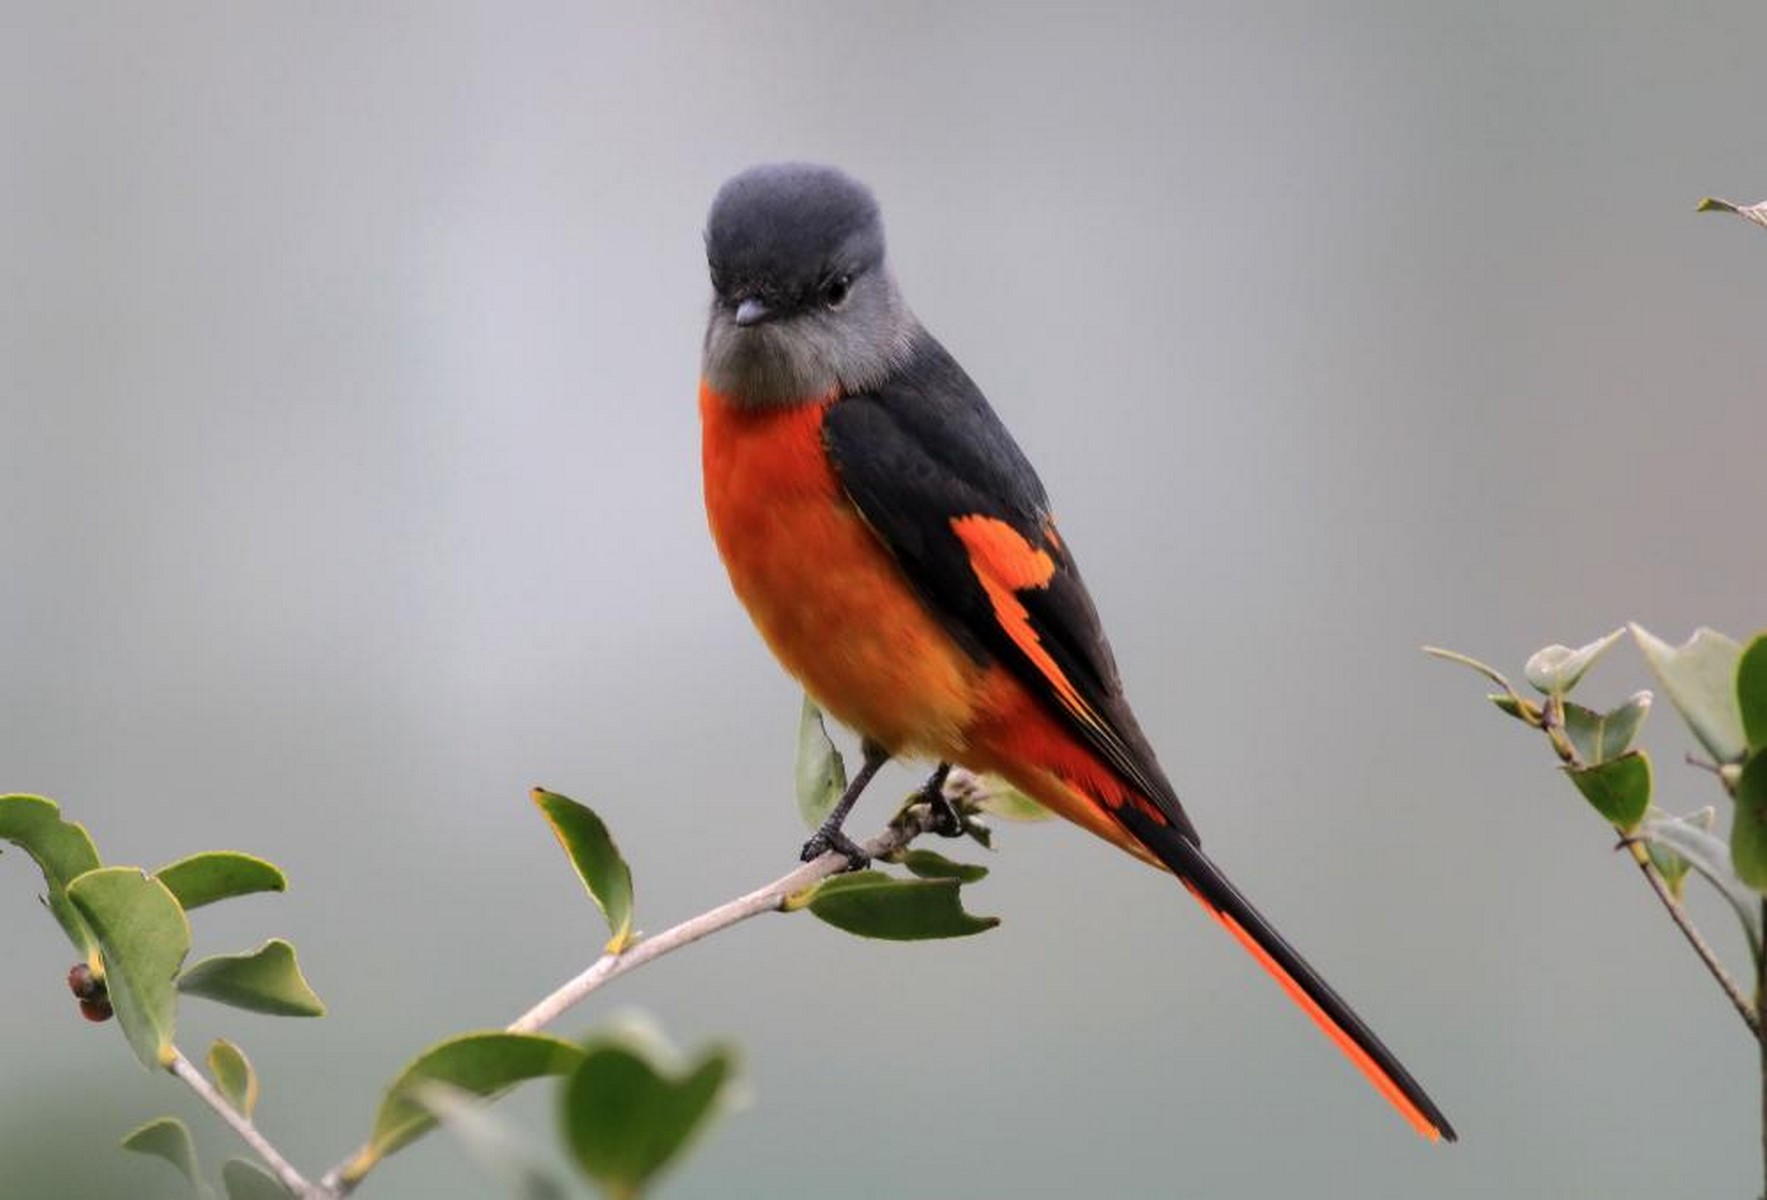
[{"x": 1005, "y": 563}]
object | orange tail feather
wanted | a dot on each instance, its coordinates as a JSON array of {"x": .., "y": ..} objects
[{"x": 1302, "y": 983}]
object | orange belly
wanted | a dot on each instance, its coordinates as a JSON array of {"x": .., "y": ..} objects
[
  {"x": 840, "y": 615},
  {"x": 822, "y": 589}
]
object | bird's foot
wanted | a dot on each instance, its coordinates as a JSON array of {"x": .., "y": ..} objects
[
  {"x": 943, "y": 817},
  {"x": 831, "y": 838}
]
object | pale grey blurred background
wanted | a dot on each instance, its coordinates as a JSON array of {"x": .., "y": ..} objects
[{"x": 350, "y": 486}]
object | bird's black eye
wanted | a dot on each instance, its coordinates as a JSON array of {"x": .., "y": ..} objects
[{"x": 835, "y": 289}]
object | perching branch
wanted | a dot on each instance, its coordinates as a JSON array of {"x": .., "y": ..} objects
[
  {"x": 199, "y": 1083},
  {"x": 762, "y": 899},
  {"x": 1701, "y": 947},
  {"x": 910, "y": 824},
  {"x": 1552, "y": 724}
]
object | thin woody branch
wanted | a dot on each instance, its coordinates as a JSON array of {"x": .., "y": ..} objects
[
  {"x": 199, "y": 1083},
  {"x": 1552, "y": 724},
  {"x": 763, "y": 899},
  {"x": 342, "y": 1179},
  {"x": 1701, "y": 947}
]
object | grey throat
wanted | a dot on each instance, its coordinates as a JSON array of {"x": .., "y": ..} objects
[{"x": 811, "y": 352}]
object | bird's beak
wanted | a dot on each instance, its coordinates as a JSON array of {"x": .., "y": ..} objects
[{"x": 752, "y": 311}]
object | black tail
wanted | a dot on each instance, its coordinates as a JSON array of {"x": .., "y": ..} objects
[{"x": 1303, "y": 984}]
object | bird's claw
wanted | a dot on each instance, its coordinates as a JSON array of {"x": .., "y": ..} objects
[
  {"x": 826, "y": 839},
  {"x": 942, "y": 816}
]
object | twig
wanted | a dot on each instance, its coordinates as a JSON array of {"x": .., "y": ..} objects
[
  {"x": 763, "y": 899},
  {"x": 199, "y": 1083},
  {"x": 1553, "y": 727},
  {"x": 1684, "y": 923},
  {"x": 1694, "y": 760},
  {"x": 340, "y": 1180}
]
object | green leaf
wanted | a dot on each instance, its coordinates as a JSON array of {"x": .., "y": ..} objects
[
  {"x": 625, "y": 1120},
  {"x": 820, "y": 773},
  {"x": 872, "y": 904},
  {"x": 218, "y": 874},
  {"x": 1598, "y": 737},
  {"x": 592, "y": 852},
  {"x": 1619, "y": 788},
  {"x": 1670, "y": 865},
  {"x": 1751, "y": 692},
  {"x": 167, "y": 1138},
  {"x": 1555, "y": 670},
  {"x": 1509, "y": 700},
  {"x": 483, "y": 1064},
  {"x": 1465, "y": 660},
  {"x": 246, "y": 1180},
  {"x": 1691, "y": 840},
  {"x": 234, "y": 1075},
  {"x": 1516, "y": 706},
  {"x": 267, "y": 980},
  {"x": 930, "y": 864},
  {"x": 142, "y": 937},
  {"x": 62, "y": 850},
  {"x": 1748, "y": 833},
  {"x": 488, "y": 1142},
  {"x": 1700, "y": 679}
]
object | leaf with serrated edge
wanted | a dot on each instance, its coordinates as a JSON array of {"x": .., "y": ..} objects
[
  {"x": 62, "y": 850},
  {"x": 1695, "y": 844},
  {"x": 246, "y": 1180},
  {"x": 167, "y": 1138},
  {"x": 872, "y": 904},
  {"x": 267, "y": 980},
  {"x": 1619, "y": 789},
  {"x": 1555, "y": 670},
  {"x": 481, "y": 1063},
  {"x": 1599, "y": 737},
  {"x": 218, "y": 875},
  {"x": 1748, "y": 831},
  {"x": 1700, "y": 678},
  {"x": 930, "y": 864},
  {"x": 1751, "y": 692},
  {"x": 591, "y": 849},
  {"x": 142, "y": 936},
  {"x": 234, "y": 1075},
  {"x": 625, "y": 1120}
]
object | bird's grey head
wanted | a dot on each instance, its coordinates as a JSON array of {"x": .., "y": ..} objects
[{"x": 803, "y": 303}]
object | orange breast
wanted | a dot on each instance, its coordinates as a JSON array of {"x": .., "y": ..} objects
[{"x": 831, "y": 602}]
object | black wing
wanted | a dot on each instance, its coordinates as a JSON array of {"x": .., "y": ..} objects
[{"x": 923, "y": 456}]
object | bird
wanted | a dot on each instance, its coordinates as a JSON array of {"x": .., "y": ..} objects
[{"x": 896, "y": 551}]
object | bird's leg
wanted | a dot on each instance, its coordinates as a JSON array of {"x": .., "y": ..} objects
[
  {"x": 945, "y": 820},
  {"x": 829, "y": 836}
]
